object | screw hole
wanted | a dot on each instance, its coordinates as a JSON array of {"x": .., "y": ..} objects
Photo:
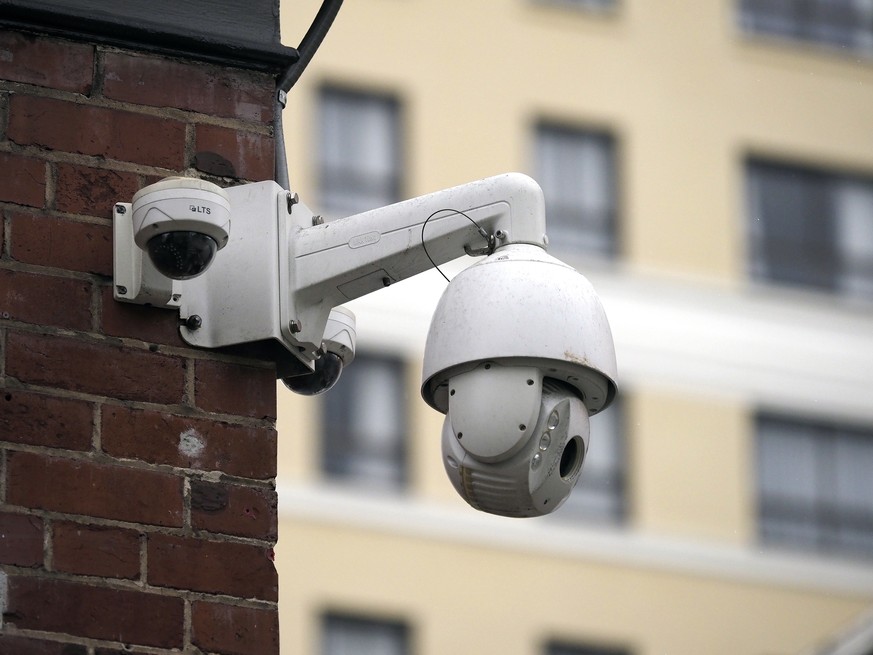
[
  {"x": 530, "y": 383},
  {"x": 460, "y": 435},
  {"x": 522, "y": 427},
  {"x": 452, "y": 392},
  {"x": 487, "y": 366}
]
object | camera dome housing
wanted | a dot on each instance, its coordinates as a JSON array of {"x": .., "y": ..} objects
[
  {"x": 181, "y": 223},
  {"x": 519, "y": 354},
  {"x": 521, "y": 306}
]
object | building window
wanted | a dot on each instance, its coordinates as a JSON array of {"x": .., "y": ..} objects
[
  {"x": 359, "y": 151},
  {"x": 810, "y": 228},
  {"x": 365, "y": 424},
  {"x": 560, "y": 648},
  {"x": 347, "y": 635},
  {"x": 576, "y": 169},
  {"x": 846, "y": 24},
  {"x": 599, "y": 494},
  {"x": 815, "y": 490}
]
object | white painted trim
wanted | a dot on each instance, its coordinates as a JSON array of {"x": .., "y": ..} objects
[
  {"x": 761, "y": 346},
  {"x": 407, "y": 516}
]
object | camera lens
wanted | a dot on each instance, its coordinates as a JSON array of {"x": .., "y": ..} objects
[
  {"x": 327, "y": 371},
  {"x": 571, "y": 458},
  {"x": 182, "y": 255}
]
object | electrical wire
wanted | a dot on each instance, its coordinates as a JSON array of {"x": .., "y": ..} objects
[
  {"x": 488, "y": 237},
  {"x": 319, "y": 28}
]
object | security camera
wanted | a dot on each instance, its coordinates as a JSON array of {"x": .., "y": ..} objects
[
  {"x": 337, "y": 351},
  {"x": 181, "y": 223},
  {"x": 514, "y": 442},
  {"x": 519, "y": 354}
]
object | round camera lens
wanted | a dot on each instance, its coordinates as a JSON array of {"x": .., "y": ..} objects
[
  {"x": 571, "y": 458},
  {"x": 182, "y": 255},
  {"x": 327, "y": 371}
]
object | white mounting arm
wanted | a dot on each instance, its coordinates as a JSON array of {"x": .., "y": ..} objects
[
  {"x": 274, "y": 284},
  {"x": 341, "y": 260}
]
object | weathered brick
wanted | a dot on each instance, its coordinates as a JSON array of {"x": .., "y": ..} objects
[
  {"x": 95, "y": 367},
  {"x": 235, "y": 389},
  {"x": 234, "y": 509},
  {"x": 230, "y": 630},
  {"x": 161, "y": 438},
  {"x": 41, "y": 61},
  {"x": 45, "y": 300},
  {"x": 95, "y": 550},
  {"x": 92, "y": 191},
  {"x": 122, "y": 319},
  {"x": 97, "y": 131},
  {"x": 234, "y": 153},
  {"x": 62, "y": 243},
  {"x": 42, "y": 420},
  {"x": 23, "y": 180},
  {"x": 204, "y": 88},
  {"x": 212, "y": 567},
  {"x": 88, "y": 489},
  {"x": 13, "y": 645},
  {"x": 128, "y": 616},
  {"x": 20, "y": 540}
]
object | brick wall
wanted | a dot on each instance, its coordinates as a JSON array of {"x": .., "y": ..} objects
[{"x": 137, "y": 491}]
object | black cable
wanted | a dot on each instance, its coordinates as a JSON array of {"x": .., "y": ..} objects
[
  {"x": 311, "y": 41},
  {"x": 319, "y": 28},
  {"x": 481, "y": 230}
]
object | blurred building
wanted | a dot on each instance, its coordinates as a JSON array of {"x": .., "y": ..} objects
[{"x": 709, "y": 166}]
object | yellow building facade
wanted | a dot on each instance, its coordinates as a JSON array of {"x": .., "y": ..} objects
[{"x": 730, "y": 340}]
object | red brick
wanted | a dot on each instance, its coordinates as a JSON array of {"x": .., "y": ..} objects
[
  {"x": 20, "y": 540},
  {"x": 95, "y": 367},
  {"x": 89, "y": 489},
  {"x": 45, "y": 300},
  {"x": 234, "y": 153},
  {"x": 41, "y": 420},
  {"x": 13, "y": 645},
  {"x": 46, "y": 62},
  {"x": 61, "y": 243},
  {"x": 95, "y": 550},
  {"x": 234, "y": 509},
  {"x": 212, "y": 567},
  {"x": 235, "y": 389},
  {"x": 125, "y": 615},
  {"x": 23, "y": 180},
  {"x": 122, "y": 319},
  {"x": 92, "y": 191},
  {"x": 204, "y": 88},
  {"x": 186, "y": 442},
  {"x": 97, "y": 131},
  {"x": 231, "y": 630}
]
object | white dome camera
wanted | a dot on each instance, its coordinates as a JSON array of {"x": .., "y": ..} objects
[
  {"x": 181, "y": 223},
  {"x": 518, "y": 355}
]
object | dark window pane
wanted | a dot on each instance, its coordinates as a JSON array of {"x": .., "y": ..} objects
[
  {"x": 346, "y": 635},
  {"x": 815, "y": 490},
  {"x": 810, "y": 228},
  {"x": 364, "y": 419},
  {"x": 576, "y": 170},
  {"x": 359, "y": 151}
]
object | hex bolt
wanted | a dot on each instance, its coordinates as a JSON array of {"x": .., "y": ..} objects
[
  {"x": 193, "y": 322},
  {"x": 317, "y": 220},
  {"x": 293, "y": 199},
  {"x": 295, "y": 326}
]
